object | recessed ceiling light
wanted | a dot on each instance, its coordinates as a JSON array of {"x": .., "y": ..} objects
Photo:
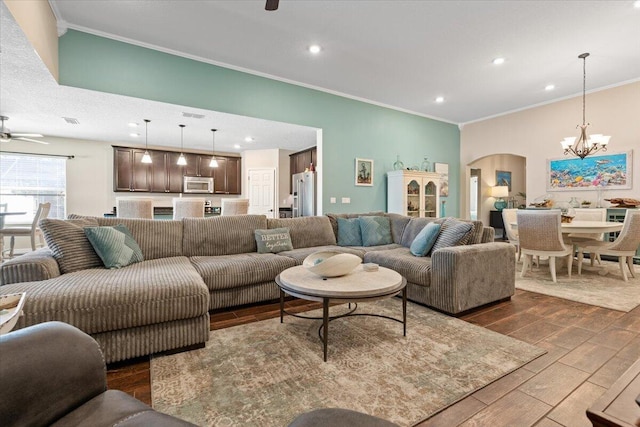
[
  {"x": 498, "y": 61},
  {"x": 134, "y": 135},
  {"x": 133, "y": 125},
  {"x": 440, "y": 100},
  {"x": 236, "y": 146},
  {"x": 636, "y": 4},
  {"x": 549, "y": 87},
  {"x": 315, "y": 49},
  {"x": 248, "y": 139}
]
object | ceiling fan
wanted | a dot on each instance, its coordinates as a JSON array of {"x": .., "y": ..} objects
[
  {"x": 6, "y": 135},
  {"x": 272, "y": 5}
]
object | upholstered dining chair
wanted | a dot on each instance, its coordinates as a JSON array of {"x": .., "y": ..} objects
[
  {"x": 32, "y": 231},
  {"x": 134, "y": 207},
  {"x": 540, "y": 234},
  {"x": 509, "y": 216},
  {"x": 234, "y": 207},
  {"x": 191, "y": 207},
  {"x": 624, "y": 247}
]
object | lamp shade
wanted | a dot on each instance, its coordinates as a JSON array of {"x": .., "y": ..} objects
[{"x": 500, "y": 191}]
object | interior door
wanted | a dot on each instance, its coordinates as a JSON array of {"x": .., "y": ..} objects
[{"x": 262, "y": 200}]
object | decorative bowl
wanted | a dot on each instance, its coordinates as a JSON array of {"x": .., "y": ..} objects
[
  {"x": 10, "y": 310},
  {"x": 331, "y": 263}
]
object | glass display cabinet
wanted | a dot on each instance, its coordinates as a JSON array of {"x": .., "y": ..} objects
[{"x": 413, "y": 193}]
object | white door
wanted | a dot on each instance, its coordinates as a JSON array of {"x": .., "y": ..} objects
[{"x": 262, "y": 200}]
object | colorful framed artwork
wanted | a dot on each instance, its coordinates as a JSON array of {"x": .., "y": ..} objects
[
  {"x": 601, "y": 171},
  {"x": 503, "y": 178},
  {"x": 443, "y": 170},
  {"x": 364, "y": 172}
]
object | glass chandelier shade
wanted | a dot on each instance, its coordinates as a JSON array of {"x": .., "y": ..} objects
[
  {"x": 146, "y": 158},
  {"x": 182, "y": 161},
  {"x": 583, "y": 145},
  {"x": 213, "y": 163}
]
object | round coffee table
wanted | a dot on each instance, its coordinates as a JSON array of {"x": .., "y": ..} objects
[{"x": 357, "y": 286}]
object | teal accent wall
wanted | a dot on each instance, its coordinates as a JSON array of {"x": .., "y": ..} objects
[{"x": 350, "y": 128}]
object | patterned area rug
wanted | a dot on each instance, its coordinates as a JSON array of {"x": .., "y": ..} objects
[
  {"x": 599, "y": 285},
  {"x": 265, "y": 373}
]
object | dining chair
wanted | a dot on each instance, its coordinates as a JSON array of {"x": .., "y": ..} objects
[
  {"x": 134, "y": 207},
  {"x": 509, "y": 216},
  {"x": 33, "y": 231},
  {"x": 624, "y": 247},
  {"x": 596, "y": 214},
  {"x": 234, "y": 207},
  {"x": 192, "y": 207},
  {"x": 539, "y": 234}
]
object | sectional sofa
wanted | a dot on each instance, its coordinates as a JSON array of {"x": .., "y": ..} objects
[{"x": 195, "y": 265}]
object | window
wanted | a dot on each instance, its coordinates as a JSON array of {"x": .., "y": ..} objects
[{"x": 27, "y": 180}]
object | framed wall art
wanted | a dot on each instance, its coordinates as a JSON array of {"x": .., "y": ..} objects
[
  {"x": 443, "y": 170},
  {"x": 604, "y": 171},
  {"x": 503, "y": 178},
  {"x": 364, "y": 172}
]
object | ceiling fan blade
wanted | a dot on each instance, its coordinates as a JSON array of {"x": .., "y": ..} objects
[
  {"x": 272, "y": 5},
  {"x": 27, "y": 135},
  {"x": 32, "y": 140}
]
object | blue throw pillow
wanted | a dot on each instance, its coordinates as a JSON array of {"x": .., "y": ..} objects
[
  {"x": 423, "y": 242},
  {"x": 115, "y": 245},
  {"x": 349, "y": 232},
  {"x": 375, "y": 230},
  {"x": 452, "y": 233}
]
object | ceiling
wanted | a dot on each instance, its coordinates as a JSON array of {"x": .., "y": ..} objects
[{"x": 401, "y": 54}]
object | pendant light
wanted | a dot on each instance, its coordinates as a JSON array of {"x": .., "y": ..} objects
[
  {"x": 146, "y": 158},
  {"x": 214, "y": 162},
  {"x": 182, "y": 161},
  {"x": 584, "y": 144}
]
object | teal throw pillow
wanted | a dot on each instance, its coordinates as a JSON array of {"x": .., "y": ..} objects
[
  {"x": 349, "y": 232},
  {"x": 452, "y": 233},
  {"x": 115, "y": 245},
  {"x": 375, "y": 230},
  {"x": 273, "y": 240},
  {"x": 423, "y": 242}
]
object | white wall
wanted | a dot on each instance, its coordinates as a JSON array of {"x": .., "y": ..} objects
[{"x": 536, "y": 133}]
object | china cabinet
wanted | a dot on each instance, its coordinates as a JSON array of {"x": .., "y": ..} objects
[{"x": 413, "y": 193}]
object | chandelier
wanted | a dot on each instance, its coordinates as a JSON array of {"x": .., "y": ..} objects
[{"x": 584, "y": 145}]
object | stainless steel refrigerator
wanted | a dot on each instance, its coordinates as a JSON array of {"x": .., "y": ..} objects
[{"x": 304, "y": 194}]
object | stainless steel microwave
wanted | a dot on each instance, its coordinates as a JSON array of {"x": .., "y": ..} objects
[{"x": 198, "y": 184}]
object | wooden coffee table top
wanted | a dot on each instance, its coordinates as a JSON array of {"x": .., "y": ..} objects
[{"x": 359, "y": 284}]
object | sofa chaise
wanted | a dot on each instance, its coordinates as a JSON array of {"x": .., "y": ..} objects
[{"x": 195, "y": 265}]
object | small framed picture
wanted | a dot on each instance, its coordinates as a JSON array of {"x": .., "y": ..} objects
[
  {"x": 503, "y": 178},
  {"x": 364, "y": 172}
]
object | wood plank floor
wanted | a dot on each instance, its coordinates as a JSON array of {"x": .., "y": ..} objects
[{"x": 588, "y": 348}]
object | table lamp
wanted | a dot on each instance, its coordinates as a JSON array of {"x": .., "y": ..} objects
[{"x": 499, "y": 192}]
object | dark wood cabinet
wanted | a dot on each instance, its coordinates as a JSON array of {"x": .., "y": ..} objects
[
  {"x": 164, "y": 175},
  {"x": 129, "y": 174}
]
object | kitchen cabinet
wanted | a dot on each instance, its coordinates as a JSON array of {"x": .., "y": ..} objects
[
  {"x": 129, "y": 173},
  {"x": 413, "y": 193},
  {"x": 227, "y": 176},
  {"x": 164, "y": 175}
]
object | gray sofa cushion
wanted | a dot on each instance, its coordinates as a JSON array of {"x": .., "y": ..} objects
[
  {"x": 306, "y": 231},
  {"x": 157, "y": 239},
  {"x": 232, "y": 271},
  {"x": 222, "y": 235},
  {"x": 414, "y": 227},
  {"x": 416, "y": 270},
  {"x": 68, "y": 243},
  {"x": 98, "y": 300},
  {"x": 300, "y": 254}
]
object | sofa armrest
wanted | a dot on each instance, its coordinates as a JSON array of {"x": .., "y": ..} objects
[
  {"x": 48, "y": 370},
  {"x": 488, "y": 235},
  {"x": 30, "y": 267},
  {"x": 468, "y": 276}
]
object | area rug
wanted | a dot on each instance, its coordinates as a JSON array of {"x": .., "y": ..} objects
[
  {"x": 592, "y": 287},
  {"x": 265, "y": 373}
]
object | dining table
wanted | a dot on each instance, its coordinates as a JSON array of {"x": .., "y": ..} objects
[
  {"x": 585, "y": 227},
  {"x": 2, "y": 218}
]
